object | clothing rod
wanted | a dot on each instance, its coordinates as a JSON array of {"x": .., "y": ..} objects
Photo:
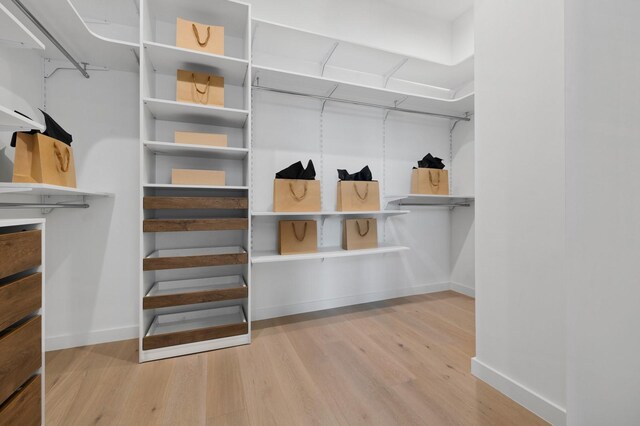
[
  {"x": 434, "y": 205},
  {"x": 41, "y": 27},
  {"x": 365, "y": 104},
  {"x": 42, "y": 206}
]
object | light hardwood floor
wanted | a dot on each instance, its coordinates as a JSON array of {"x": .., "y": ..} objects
[{"x": 404, "y": 361}]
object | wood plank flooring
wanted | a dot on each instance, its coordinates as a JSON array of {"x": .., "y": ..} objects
[{"x": 404, "y": 361}]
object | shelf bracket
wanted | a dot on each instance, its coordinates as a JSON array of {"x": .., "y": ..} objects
[
  {"x": 327, "y": 97},
  {"x": 394, "y": 70},
  {"x": 47, "y": 207},
  {"x": 328, "y": 56}
]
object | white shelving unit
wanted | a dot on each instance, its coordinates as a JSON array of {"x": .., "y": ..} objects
[
  {"x": 44, "y": 189},
  {"x": 180, "y": 264},
  {"x": 294, "y": 60},
  {"x": 12, "y": 121},
  {"x": 430, "y": 200},
  {"x": 270, "y": 256},
  {"x": 14, "y": 33}
]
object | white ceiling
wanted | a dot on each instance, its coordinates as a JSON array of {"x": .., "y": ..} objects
[{"x": 447, "y": 10}]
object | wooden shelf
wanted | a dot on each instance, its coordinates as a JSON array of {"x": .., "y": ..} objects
[
  {"x": 46, "y": 189},
  {"x": 195, "y": 326},
  {"x": 162, "y": 109},
  {"x": 188, "y": 225},
  {"x": 337, "y": 89},
  {"x": 165, "y": 294},
  {"x": 14, "y": 33},
  {"x": 166, "y": 59},
  {"x": 177, "y": 203},
  {"x": 379, "y": 213},
  {"x": 271, "y": 256},
  {"x": 430, "y": 200},
  {"x": 200, "y": 151},
  {"x": 12, "y": 121},
  {"x": 194, "y": 258}
]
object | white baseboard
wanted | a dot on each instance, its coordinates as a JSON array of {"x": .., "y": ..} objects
[
  {"x": 319, "y": 305},
  {"x": 463, "y": 289},
  {"x": 537, "y": 404},
  {"x": 65, "y": 341}
]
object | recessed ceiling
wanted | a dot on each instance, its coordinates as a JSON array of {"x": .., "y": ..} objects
[{"x": 447, "y": 10}]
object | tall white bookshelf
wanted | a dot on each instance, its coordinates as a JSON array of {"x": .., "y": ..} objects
[{"x": 195, "y": 246}]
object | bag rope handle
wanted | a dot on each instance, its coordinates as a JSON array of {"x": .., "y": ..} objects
[
  {"x": 62, "y": 165},
  {"x": 360, "y": 229},
  {"x": 304, "y": 233},
  {"x": 293, "y": 193},
  {"x": 205, "y": 93},
  {"x": 437, "y": 184},
  {"x": 195, "y": 32},
  {"x": 366, "y": 192}
]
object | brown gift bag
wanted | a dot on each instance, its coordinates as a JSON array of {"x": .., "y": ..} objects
[
  {"x": 298, "y": 236},
  {"x": 195, "y": 36},
  {"x": 430, "y": 181},
  {"x": 357, "y": 196},
  {"x": 197, "y": 177},
  {"x": 199, "y": 88},
  {"x": 296, "y": 195},
  {"x": 360, "y": 234},
  {"x": 42, "y": 159}
]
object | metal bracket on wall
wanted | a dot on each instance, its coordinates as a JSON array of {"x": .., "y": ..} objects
[
  {"x": 328, "y": 56},
  {"x": 85, "y": 66}
]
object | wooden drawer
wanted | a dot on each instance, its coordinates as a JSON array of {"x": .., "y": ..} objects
[
  {"x": 20, "y": 355},
  {"x": 183, "y": 225},
  {"x": 195, "y": 326},
  {"x": 164, "y": 294},
  {"x": 194, "y": 258},
  {"x": 23, "y": 407},
  {"x": 222, "y": 203},
  {"x": 20, "y": 298},
  {"x": 20, "y": 251}
]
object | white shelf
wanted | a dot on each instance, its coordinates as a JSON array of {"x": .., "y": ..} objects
[
  {"x": 46, "y": 189},
  {"x": 14, "y": 33},
  {"x": 171, "y": 288},
  {"x": 271, "y": 256},
  {"x": 215, "y": 187},
  {"x": 194, "y": 113},
  {"x": 65, "y": 23},
  {"x": 430, "y": 200},
  {"x": 319, "y": 86},
  {"x": 11, "y": 121},
  {"x": 190, "y": 150},
  {"x": 198, "y": 251},
  {"x": 378, "y": 213},
  {"x": 167, "y": 59},
  {"x": 308, "y": 50}
]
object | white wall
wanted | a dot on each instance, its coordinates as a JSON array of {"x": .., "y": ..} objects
[
  {"x": 462, "y": 42},
  {"x": 603, "y": 211},
  {"x": 520, "y": 287},
  {"x": 375, "y": 23}
]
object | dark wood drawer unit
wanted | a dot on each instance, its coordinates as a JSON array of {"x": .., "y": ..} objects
[
  {"x": 196, "y": 326},
  {"x": 194, "y": 258},
  {"x": 182, "y": 225},
  {"x": 221, "y": 203},
  {"x": 189, "y": 292},
  {"x": 23, "y": 407},
  {"x": 20, "y": 298},
  {"x": 20, "y": 355},
  {"x": 20, "y": 251}
]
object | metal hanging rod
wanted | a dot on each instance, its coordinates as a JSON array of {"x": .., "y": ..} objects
[
  {"x": 42, "y": 206},
  {"x": 53, "y": 40},
  {"x": 434, "y": 205},
  {"x": 365, "y": 104}
]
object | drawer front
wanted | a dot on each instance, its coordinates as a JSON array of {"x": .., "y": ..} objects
[
  {"x": 157, "y": 263},
  {"x": 20, "y": 355},
  {"x": 20, "y": 298},
  {"x": 23, "y": 408},
  {"x": 204, "y": 296},
  {"x": 192, "y": 336},
  {"x": 20, "y": 251}
]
